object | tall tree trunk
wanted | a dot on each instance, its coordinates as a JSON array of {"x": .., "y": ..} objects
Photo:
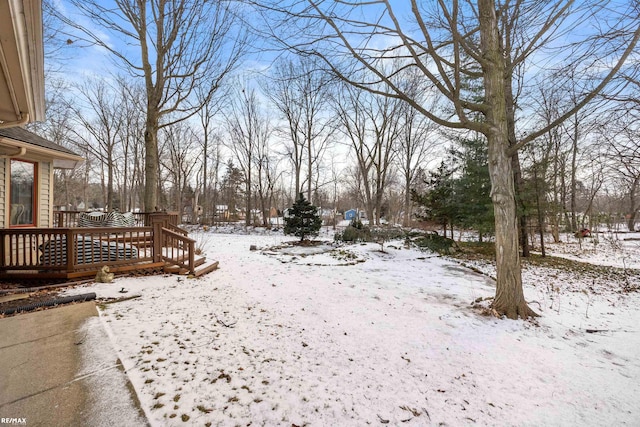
[
  {"x": 509, "y": 299},
  {"x": 110, "y": 182},
  {"x": 407, "y": 201},
  {"x": 247, "y": 220},
  {"x": 633, "y": 205},
  {"x": 555, "y": 218},
  {"x": 574, "y": 181},
  {"x": 521, "y": 209},
  {"x": 151, "y": 163},
  {"x": 297, "y": 189},
  {"x": 517, "y": 170},
  {"x": 541, "y": 224},
  {"x": 103, "y": 186},
  {"x": 205, "y": 182},
  {"x": 309, "y": 166}
]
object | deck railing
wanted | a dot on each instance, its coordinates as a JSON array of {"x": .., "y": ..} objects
[
  {"x": 65, "y": 252},
  {"x": 171, "y": 243},
  {"x": 65, "y": 219},
  {"x": 176, "y": 248}
]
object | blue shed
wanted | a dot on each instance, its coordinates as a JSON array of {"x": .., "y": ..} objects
[{"x": 350, "y": 214}]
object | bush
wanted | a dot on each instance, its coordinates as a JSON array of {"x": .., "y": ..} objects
[
  {"x": 384, "y": 234},
  {"x": 355, "y": 232},
  {"x": 381, "y": 235},
  {"x": 357, "y": 224},
  {"x": 435, "y": 243}
]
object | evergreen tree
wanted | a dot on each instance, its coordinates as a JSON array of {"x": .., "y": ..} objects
[
  {"x": 473, "y": 187},
  {"x": 232, "y": 188},
  {"x": 438, "y": 202},
  {"x": 303, "y": 219}
]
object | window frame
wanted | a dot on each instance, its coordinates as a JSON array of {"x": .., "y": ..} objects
[{"x": 34, "y": 199}]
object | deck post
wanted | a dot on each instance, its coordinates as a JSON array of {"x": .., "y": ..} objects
[
  {"x": 156, "y": 221},
  {"x": 3, "y": 243},
  {"x": 72, "y": 242}
]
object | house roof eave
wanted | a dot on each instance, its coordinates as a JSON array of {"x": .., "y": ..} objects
[
  {"x": 21, "y": 63},
  {"x": 20, "y": 143}
]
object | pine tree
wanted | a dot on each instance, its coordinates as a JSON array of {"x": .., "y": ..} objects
[
  {"x": 473, "y": 186},
  {"x": 233, "y": 188},
  {"x": 438, "y": 202},
  {"x": 303, "y": 219}
]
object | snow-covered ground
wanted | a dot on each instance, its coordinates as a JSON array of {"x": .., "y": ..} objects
[
  {"x": 605, "y": 248},
  {"x": 352, "y": 336}
]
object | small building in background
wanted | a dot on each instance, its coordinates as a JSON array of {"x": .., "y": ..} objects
[{"x": 351, "y": 214}]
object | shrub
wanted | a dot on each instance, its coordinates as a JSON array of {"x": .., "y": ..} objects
[
  {"x": 435, "y": 243},
  {"x": 355, "y": 232},
  {"x": 381, "y": 235}
]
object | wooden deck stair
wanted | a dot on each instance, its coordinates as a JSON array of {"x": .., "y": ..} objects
[{"x": 201, "y": 264}]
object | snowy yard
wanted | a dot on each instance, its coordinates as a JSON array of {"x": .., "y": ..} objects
[{"x": 355, "y": 336}]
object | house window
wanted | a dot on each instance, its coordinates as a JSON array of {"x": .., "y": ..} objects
[{"x": 23, "y": 192}]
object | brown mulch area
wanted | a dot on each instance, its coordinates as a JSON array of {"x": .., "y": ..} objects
[
  {"x": 13, "y": 295},
  {"x": 42, "y": 291},
  {"x": 31, "y": 298}
]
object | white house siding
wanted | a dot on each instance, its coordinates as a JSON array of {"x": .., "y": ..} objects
[{"x": 45, "y": 190}]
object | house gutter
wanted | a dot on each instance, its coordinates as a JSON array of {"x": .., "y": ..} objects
[
  {"x": 21, "y": 152},
  {"x": 24, "y": 119}
]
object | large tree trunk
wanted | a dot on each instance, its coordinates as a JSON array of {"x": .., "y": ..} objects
[
  {"x": 631, "y": 222},
  {"x": 151, "y": 163},
  {"x": 509, "y": 299}
]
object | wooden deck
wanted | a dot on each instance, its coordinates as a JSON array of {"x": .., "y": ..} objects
[{"x": 73, "y": 252}]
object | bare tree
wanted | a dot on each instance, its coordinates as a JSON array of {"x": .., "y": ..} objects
[
  {"x": 386, "y": 126},
  {"x": 132, "y": 143},
  {"x": 98, "y": 128},
  {"x": 566, "y": 150},
  {"x": 623, "y": 152},
  {"x": 300, "y": 90},
  {"x": 552, "y": 156},
  {"x": 179, "y": 146},
  {"x": 210, "y": 140},
  {"x": 372, "y": 125},
  {"x": 448, "y": 42},
  {"x": 58, "y": 128},
  {"x": 174, "y": 46},
  {"x": 621, "y": 131},
  {"x": 416, "y": 140},
  {"x": 350, "y": 106},
  {"x": 249, "y": 131},
  {"x": 69, "y": 183},
  {"x": 267, "y": 173}
]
